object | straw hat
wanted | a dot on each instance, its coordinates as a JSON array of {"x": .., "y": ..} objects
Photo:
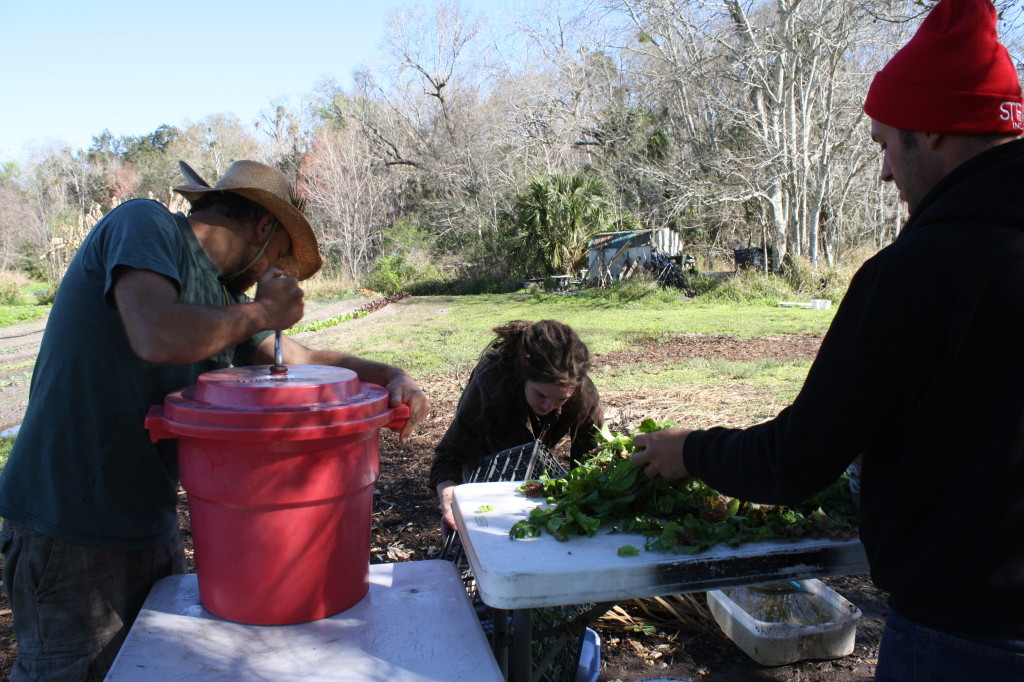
[{"x": 269, "y": 188}]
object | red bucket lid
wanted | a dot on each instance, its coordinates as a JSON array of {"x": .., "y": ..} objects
[
  {"x": 309, "y": 401},
  {"x": 256, "y": 388}
]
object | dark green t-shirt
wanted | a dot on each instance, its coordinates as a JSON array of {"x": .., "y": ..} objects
[{"x": 83, "y": 468}]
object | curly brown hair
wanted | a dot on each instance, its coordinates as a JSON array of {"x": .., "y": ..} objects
[{"x": 547, "y": 352}]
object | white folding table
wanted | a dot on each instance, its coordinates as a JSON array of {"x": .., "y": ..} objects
[
  {"x": 518, "y": 575},
  {"x": 415, "y": 624}
]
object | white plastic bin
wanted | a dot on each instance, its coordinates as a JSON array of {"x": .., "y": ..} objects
[{"x": 828, "y": 629}]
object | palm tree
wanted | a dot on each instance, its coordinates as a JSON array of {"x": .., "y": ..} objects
[{"x": 554, "y": 219}]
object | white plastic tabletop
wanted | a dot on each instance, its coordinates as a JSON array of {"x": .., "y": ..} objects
[
  {"x": 415, "y": 624},
  {"x": 535, "y": 572}
]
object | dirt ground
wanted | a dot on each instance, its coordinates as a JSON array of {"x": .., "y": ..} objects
[{"x": 640, "y": 640}]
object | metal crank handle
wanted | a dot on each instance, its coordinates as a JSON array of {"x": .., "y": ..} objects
[{"x": 278, "y": 366}]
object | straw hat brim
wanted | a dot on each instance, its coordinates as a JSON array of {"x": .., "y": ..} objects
[{"x": 271, "y": 190}]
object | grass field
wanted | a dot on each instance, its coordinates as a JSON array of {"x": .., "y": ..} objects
[
  {"x": 436, "y": 333},
  {"x": 439, "y": 335},
  {"x": 12, "y": 314}
]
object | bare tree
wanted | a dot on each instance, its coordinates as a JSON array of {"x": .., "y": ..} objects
[
  {"x": 423, "y": 110},
  {"x": 211, "y": 145},
  {"x": 764, "y": 99},
  {"x": 558, "y": 78},
  {"x": 60, "y": 189},
  {"x": 15, "y": 217},
  {"x": 351, "y": 198},
  {"x": 288, "y": 132}
]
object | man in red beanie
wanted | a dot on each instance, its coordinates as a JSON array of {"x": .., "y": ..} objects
[{"x": 919, "y": 373}]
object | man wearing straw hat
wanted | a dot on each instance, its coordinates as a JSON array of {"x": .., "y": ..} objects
[
  {"x": 150, "y": 301},
  {"x": 920, "y": 373}
]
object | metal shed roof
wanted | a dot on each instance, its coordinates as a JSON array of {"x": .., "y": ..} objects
[
  {"x": 616, "y": 240},
  {"x": 664, "y": 238}
]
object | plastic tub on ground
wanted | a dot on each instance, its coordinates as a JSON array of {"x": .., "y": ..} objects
[{"x": 781, "y": 623}]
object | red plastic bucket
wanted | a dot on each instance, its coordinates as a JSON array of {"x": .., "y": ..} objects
[{"x": 279, "y": 471}]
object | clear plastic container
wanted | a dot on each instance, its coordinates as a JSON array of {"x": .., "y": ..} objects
[
  {"x": 780, "y": 623},
  {"x": 784, "y": 602}
]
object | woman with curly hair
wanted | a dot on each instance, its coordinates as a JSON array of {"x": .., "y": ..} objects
[{"x": 530, "y": 384}]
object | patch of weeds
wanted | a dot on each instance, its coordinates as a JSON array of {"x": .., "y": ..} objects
[{"x": 6, "y": 443}]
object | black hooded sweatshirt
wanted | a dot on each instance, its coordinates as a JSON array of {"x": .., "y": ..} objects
[{"x": 922, "y": 373}]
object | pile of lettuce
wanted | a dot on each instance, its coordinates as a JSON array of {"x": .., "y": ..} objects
[{"x": 608, "y": 491}]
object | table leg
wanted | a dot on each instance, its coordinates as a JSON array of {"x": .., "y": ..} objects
[
  {"x": 499, "y": 641},
  {"x": 522, "y": 646}
]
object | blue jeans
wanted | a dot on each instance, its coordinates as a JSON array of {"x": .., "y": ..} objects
[
  {"x": 912, "y": 652},
  {"x": 73, "y": 605}
]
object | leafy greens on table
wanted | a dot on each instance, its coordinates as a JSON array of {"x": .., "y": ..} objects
[{"x": 687, "y": 517}]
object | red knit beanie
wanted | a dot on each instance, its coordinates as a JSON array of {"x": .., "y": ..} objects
[{"x": 953, "y": 77}]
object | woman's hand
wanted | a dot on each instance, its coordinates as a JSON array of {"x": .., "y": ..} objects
[{"x": 445, "y": 492}]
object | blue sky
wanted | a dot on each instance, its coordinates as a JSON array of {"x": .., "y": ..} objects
[{"x": 72, "y": 69}]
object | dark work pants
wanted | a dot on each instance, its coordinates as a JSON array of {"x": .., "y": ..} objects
[
  {"x": 913, "y": 653},
  {"x": 73, "y": 605}
]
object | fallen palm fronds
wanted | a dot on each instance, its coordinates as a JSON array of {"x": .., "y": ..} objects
[{"x": 671, "y": 612}]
